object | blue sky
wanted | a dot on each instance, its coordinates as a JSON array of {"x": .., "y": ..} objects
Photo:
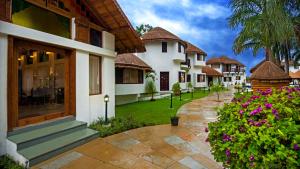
[{"x": 201, "y": 22}]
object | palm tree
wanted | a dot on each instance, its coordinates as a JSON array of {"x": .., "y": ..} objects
[{"x": 264, "y": 23}]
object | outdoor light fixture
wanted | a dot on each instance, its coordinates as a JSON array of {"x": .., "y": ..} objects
[{"x": 106, "y": 99}]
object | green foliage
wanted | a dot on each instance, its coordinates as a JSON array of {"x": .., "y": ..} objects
[
  {"x": 190, "y": 85},
  {"x": 143, "y": 28},
  {"x": 7, "y": 163},
  {"x": 258, "y": 131},
  {"x": 176, "y": 88},
  {"x": 150, "y": 87},
  {"x": 117, "y": 125},
  {"x": 217, "y": 88}
]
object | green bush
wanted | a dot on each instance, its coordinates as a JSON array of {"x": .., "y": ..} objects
[
  {"x": 258, "y": 131},
  {"x": 176, "y": 88},
  {"x": 150, "y": 87},
  {"x": 7, "y": 163},
  {"x": 217, "y": 88},
  {"x": 117, "y": 125}
]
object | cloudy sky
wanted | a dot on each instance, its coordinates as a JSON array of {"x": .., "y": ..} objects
[{"x": 201, "y": 22}]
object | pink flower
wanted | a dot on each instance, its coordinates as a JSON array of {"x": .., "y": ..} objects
[
  {"x": 227, "y": 153},
  {"x": 268, "y": 105},
  {"x": 206, "y": 130},
  {"x": 241, "y": 112},
  {"x": 256, "y": 111},
  {"x": 251, "y": 158},
  {"x": 245, "y": 105}
]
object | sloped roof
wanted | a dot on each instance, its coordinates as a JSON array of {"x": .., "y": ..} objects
[
  {"x": 268, "y": 70},
  {"x": 130, "y": 60},
  {"x": 160, "y": 34},
  {"x": 210, "y": 71},
  {"x": 223, "y": 60},
  {"x": 194, "y": 49},
  {"x": 115, "y": 21},
  {"x": 260, "y": 63},
  {"x": 295, "y": 75}
]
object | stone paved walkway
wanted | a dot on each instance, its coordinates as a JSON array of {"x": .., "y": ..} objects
[{"x": 154, "y": 147}]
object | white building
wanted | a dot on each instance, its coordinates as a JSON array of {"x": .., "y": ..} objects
[
  {"x": 165, "y": 53},
  {"x": 130, "y": 78},
  {"x": 57, "y": 63},
  {"x": 195, "y": 62},
  {"x": 232, "y": 70}
]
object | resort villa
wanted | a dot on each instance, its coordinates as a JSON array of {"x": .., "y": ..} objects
[
  {"x": 130, "y": 78},
  {"x": 165, "y": 53},
  {"x": 233, "y": 71},
  {"x": 57, "y": 64}
]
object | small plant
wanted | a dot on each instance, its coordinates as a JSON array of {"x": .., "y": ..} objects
[
  {"x": 176, "y": 88},
  {"x": 217, "y": 88},
  {"x": 258, "y": 131},
  {"x": 8, "y": 163},
  {"x": 190, "y": 86},
  {"x": 150, "y": 85}
]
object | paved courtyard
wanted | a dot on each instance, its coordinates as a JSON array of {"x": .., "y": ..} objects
[{"x": 154, "y": 147}]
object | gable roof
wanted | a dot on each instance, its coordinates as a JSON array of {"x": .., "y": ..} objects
[
  {"x": 210, "y": 71},
  {"x": 116, "y": 22},
  {"x": 130, "y": 60},
  {"x": 268, "y": 70},
  {"x": 160, "y": 34},
  {"x": 259, "y": 64},
  {"x": 223, "y": 60},
  {"x": 194, "y": 49}
]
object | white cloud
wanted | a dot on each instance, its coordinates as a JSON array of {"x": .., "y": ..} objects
[{"x": 211, "y": 11}]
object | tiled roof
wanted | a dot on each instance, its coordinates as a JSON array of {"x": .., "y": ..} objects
[
  {"x": 159, "y": 33},
  {"x": 223, "y": 60},
  {"x": 268, "y": 70},
  {"x": 210, "y": 71},
  {"x": 115, "y": 21},
  {"x": 194, "y": 49},
  {"x": 129, "y": 60},
  {"x": 295, "y": 75}
]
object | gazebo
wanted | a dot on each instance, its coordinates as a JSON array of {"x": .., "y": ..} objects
[
  {"x": 268, "y": 75},
  {"x": 295, "y": 77}
]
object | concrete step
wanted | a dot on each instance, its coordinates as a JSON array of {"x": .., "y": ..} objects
[
  {"x": 47, "y": 149},
  {"x": 38, "y": 135}
]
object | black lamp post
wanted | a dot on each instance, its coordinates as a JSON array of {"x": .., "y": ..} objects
[
  {"x": 171, "y": 105},
  {"x": 180, "y": 94},
  {"x": 106, "y": 100}
]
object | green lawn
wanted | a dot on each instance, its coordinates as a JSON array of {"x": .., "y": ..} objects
[{"x": 156, "y": 112}]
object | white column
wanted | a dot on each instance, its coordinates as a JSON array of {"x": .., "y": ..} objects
[{"x": 3, "y": 92}]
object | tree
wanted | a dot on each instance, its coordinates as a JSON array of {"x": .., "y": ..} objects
[
  {"x": 217, "y": 88},
  {"x": 264, "y": 24},
  {"x": 143, "y": 28},
  {"x": 150, "y": 84}
]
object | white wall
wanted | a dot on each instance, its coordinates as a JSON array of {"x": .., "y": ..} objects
[
  {"x": 3, "y": 92},
  {"x": 125, "y": 99},
  {"x": 128, "y": 89},
  {"x": 163, "y": 62},
  {"x": 90, "y": 108}
]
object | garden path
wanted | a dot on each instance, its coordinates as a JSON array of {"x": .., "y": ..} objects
[{"x": 153, "y": 147}]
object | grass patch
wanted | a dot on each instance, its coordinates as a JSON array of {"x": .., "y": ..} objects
[
  {"x": 156, "y": 112},
  {"x": 7, "y": 163}
]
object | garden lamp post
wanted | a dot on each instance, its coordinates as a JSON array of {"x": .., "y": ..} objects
[
  {"x": 180, "y": 94},
  {"x": 106, "y": 100},
  {"x": 171, "y": 105}
]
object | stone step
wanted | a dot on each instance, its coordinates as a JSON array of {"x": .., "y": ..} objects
[
  {"x": 47, "y": 149},
  {"x": 44, "y": 133}
]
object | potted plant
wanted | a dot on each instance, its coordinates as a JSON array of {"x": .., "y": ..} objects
[
  {"x": 176, "y": 89},
  {"x": 174, "y": 120}
]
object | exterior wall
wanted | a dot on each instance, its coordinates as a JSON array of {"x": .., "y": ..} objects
[
  {"x": 164, "y": 62},
  {"x": 88, "y": 108},
  {"x": 3, "y": 92},
  {"x": 125, "y": 99},
  {"x": 195, "y": 70},
  {"x": 129, "y": 89}
]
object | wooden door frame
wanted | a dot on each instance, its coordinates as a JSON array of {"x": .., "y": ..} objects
[
  {"x": 12, "y": 82},
  {"x": 160, "y": 77}
]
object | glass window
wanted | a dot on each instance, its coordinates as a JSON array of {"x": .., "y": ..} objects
[
  {"x": 179, "y": 47},
  {"x": 95, "y": 37},
  {"x": 238, "y": 77},
  {"x": 95, "y": 75},
  {"x": 164, "y": 47},
  {"x": 200, "y": 78},
  {"x": 181, "y": 77},
  {"x": 188, "y": 78},
  {"x": 129, "y": 76}
]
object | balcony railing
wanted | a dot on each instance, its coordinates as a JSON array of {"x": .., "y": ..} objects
[{"x": 234, "y": 70}]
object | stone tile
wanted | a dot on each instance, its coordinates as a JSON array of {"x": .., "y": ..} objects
[
  {"x": 174, "y": 140},
  {"x": 140, "y": 149},
  {"x": 62, "y": 161},
  {"x": 209, "y": 163},
  {"x": 87, "y": 162},
  {"x": 143, "y": 164},
  {"x": 125, "y": 144},
  {"x": 172, "y": 152},
  {"x": 159, "y": 159},
  {"x": 177, "y": 165},
  {"x": 191, "y": 163}
]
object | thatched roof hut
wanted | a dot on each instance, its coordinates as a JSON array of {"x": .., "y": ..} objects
[{"x": 131, "y": 61}]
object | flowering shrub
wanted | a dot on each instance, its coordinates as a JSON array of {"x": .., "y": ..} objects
[{"x": 258, "y": 131}]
